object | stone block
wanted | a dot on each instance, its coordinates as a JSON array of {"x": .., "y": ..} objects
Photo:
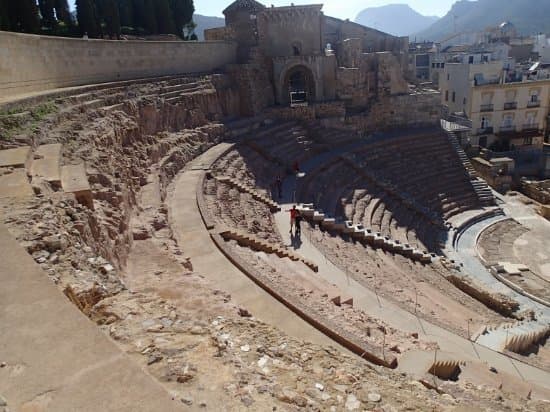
[
  {"x": 47, "y": 164},
  {"x": 18, "y": 157},
  {"x": 75, "y": 181},
  {"x": 15, "y": 185}
]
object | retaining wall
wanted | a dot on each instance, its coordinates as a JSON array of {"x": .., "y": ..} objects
[{"x": 30, "y": 63}]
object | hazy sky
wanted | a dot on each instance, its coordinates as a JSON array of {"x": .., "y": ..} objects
[
  {"x": 338, "y": 8},
  {"x": 344, "y": 9}
]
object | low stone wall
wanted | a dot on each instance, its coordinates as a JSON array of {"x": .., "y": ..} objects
[
  {"x": 539, "y": 191},
  {"x": 30, "y": 63},
  {"x": 499, "y": 303},
  {"x": 310, "y": 112}
]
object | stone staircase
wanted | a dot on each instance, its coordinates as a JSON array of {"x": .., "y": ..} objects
[
  {"x": 273, "y": 206},
  {"x": 515, "y": 337},
  {"x": 22, "y": 168},
  {"x": 482, "y": 189},
  {"x": 360, "y": 233},
  {"x": 255, "y": 243}
]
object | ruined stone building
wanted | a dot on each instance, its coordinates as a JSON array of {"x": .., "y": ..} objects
[{"x": 297, "y": 54}]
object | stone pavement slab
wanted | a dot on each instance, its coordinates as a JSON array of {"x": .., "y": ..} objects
[
  {"x": 56, "y": 358},
  {"x": 16, "y": 185},
  {"x": 47, "y": 163},
  {"x": 18, "y": 157}
]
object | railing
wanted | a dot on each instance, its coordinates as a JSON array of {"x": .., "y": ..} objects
[
  {"x": 507, "y": 129},
  {"x": 486, "y": 108},
  {"x": 530, "y": 127},
  {"x": 510, "y": 106},
  {"x": 533, "y": 104},
  {"x": 485, "y": 130}
]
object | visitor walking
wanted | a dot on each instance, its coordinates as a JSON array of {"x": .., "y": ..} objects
[
  {"x": 279, "y": 186},
  {"x": 293, "y": 213},
  {"x": 297, "y": 221},
  {"x": 296, "y": 167}
]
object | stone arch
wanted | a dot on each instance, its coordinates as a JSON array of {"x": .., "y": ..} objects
[{"x": 299, "y": 79}]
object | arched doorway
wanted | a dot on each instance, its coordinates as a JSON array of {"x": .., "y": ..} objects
[{"x": 298, "y": 86}]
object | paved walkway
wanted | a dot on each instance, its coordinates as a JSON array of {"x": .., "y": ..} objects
[
  {"x": 55, "y": 358},
  {"x": 194, "y": 239},
  {"x": 451, "y": 344}
]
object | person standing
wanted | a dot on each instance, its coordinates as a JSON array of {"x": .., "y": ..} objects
[{"x": 293, "y": 213}]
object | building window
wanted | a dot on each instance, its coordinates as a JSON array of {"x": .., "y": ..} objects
[
  {"x": 464, "y": 101},
  {"x": 446, "y": 95},
  {"x": 442, "y": 65},
  {"x": 527, "y": 141},
  {"x": 454, "y": 97},
  {"x": 471, "y": 60},
  {"x": 448, "y": 76}
]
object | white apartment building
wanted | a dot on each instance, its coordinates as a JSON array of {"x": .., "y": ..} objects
[{"x": 507, "y": 110}]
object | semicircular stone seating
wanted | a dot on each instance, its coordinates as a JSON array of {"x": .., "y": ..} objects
[{"x": 403, "y": 187}]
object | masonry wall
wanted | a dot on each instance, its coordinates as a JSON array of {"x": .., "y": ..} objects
[
  {"x": 400, "y": 111},
  {"x": 30, "y": 63}
]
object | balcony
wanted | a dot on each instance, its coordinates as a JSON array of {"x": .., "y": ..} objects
[
  {"x": 485, "y": 130},
  {"x": 533, "y": 104},
  {"x": 511, "y": 106},
  {"x": 507, "y": 129},
  {"x": 486, "y": 108},
  {"x": 531, "y": 129}
]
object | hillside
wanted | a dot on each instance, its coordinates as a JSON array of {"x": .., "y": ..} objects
[
  {"x": 396, "y": 19},
  {"x": 206, "y": 22},
  {"x": 477, "y": 15}
]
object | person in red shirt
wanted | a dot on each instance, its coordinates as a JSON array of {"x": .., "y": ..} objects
[{"x": 293, "y": 213}]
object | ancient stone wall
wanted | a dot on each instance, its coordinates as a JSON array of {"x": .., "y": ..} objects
[
  {"x": 329, "y": 110},
  {"x": 31, "y": 63},
  {"x": 280, "y": 29},
  {"x": 400, "y": 111}
]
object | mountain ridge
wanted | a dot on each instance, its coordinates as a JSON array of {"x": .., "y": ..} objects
[
  {"x": 396, "y": 19},
  {"x": 206, "y": 22},
  {"x": 478, "y": 15}
]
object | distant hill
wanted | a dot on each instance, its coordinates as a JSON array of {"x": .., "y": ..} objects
[
  {"x": 206, "y": 22},
  {"x": 396, "y": 19},
  {"x": 529, "y": 17}
]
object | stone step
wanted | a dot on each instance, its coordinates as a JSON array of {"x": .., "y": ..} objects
[
  {"x": 15, "y": 184},
  {"x": 273, "y": 206},
  {"x": 263, "y": 245},
  {"x": 19, "y": 157},
  {"x": 74, "y": 180},
  {"x": 47, "y": 164}
]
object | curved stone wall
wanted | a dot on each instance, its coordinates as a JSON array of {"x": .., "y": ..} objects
[{"x": 30, "y": 63}]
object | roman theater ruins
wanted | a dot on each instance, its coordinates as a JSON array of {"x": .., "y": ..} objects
[{"x": 148, "y": 261}]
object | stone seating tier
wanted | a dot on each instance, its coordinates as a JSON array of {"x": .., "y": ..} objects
[{"x": 361, "y": 233}]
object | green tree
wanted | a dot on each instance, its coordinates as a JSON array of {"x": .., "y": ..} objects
[
  {"x": 63, "y": 12},
  {"x": 27, "y": 16},
  {"x": 165, "y": 20},
  {"x": 126, "y": 13},
  {"x": 47, "y": 12},
  {"x": 138, "y": 9},
  {"x": 111, "y": 18},
  {"x": 5, "y": 18},
  {"x": 150, "y": 22},
  {"x": 87, "y": 18},
  {"x": 183, "y": 14}
]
